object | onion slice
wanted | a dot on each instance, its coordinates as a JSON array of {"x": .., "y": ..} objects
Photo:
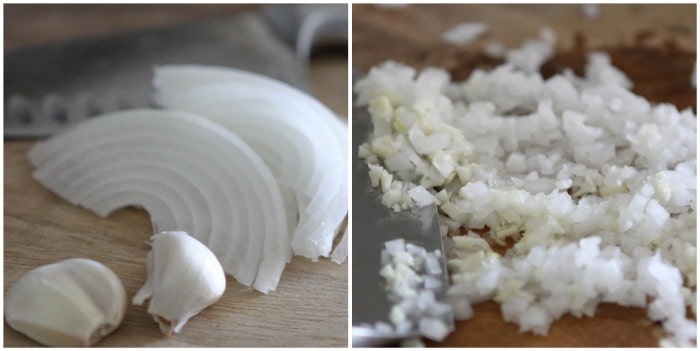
[
  {"x": 188, "y": 173},
  {"x": 302, "y": 142},
  {"x": 340, "y": 253}
]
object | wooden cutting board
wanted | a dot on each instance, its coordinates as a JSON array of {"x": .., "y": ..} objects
[
  {"x": 412, "y": 35},
  {"x": 309, "y": 307}
]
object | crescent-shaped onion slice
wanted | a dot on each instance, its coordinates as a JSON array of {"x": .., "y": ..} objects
[
  {"x": 303, "y": 143},
  {"x": 187, "y": 172}
]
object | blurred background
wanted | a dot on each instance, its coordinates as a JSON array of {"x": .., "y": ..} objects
[{"x": 654, "y": 44}]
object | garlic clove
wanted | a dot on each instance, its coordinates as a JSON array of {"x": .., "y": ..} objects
[
  {"x": 184, "y": 278},
  {"x": 70, "y": 303}
]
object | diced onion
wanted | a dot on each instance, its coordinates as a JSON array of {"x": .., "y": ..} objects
[
  {"x": 594, "y": 185},
  {"x": 411, "y": 276}
]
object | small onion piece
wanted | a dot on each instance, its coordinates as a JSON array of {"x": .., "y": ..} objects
[
  {"x": 303, "y": 143},
  {"x": 188, "y": 173},
  {"x": 340, "y": 253}
]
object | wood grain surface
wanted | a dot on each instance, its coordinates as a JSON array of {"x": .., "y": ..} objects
[
  {"x": 412, "y": 35},
  {"x": 309, "y": 307}
]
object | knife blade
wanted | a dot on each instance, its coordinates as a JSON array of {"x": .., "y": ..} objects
[
  {"x": 373, "y": 225},
  {"x": 53, "y": 86}
]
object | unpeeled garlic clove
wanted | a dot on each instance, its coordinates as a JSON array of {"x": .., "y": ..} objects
[
  {"x": 70, "y": 303},
  {"x": 184, "y": 277}
]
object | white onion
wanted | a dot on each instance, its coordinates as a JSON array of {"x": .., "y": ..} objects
[
  {"x": 411, "y": 275},
  {"x": 340, "y": 253},
  {"x": 189, "y": 173},
  {"x": 533, "y": 52},
  {"x": 464, "y": 33},
  {"x": 302, "y": 142},
  {"x": 595, "y": 185}
]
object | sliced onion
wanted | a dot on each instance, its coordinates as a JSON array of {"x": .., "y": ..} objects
[
  {"x": 302, "y": 142},
  {"x": 340, "y": 253},
  {"x": 189, "y": 173}
]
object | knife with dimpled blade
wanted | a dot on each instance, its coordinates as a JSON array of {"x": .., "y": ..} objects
[{"x": 51, "y": 87}]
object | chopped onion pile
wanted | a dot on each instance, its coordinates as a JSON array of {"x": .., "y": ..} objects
[
  {"x": 412, "y": 276},
  {"x": 594, "y": 187},
  {"x": 252, "y": 187}
]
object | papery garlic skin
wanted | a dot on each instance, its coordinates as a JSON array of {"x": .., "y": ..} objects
[
  {"x": 184, "y": 278},
  {"x": 70, "y": 303}
]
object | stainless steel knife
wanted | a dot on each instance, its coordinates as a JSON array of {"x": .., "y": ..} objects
[
  {"x": 373, "y": 224},
  {"x": 50, "y": 87}
]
